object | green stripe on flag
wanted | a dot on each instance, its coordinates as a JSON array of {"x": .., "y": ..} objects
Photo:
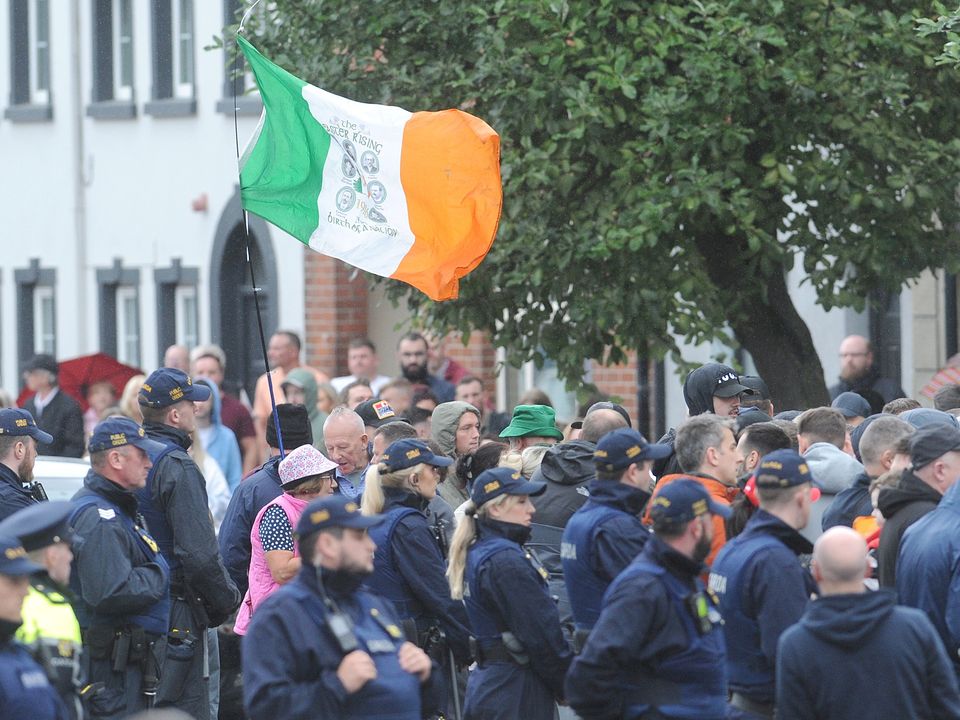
[{"x": 281, "y": 176}]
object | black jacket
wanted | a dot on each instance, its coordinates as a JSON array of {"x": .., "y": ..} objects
[
  {"x": 13, "y": 497},
  {"x": 63, "y": 419},
  {"x": 888, "y": 388},
  {"x": 849, "y": 504},
  {"x": 863, "y": 656},
  {"x": 901, "y": 506},
  {"x": 180, "y": 493}
]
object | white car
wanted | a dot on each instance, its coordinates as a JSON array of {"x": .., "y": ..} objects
[{"x": 61, "y": 477}]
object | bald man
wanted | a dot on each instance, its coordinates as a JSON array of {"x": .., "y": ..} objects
[
  {"x": 858, "y": 372},
  {"x": 857, "y": 654}
]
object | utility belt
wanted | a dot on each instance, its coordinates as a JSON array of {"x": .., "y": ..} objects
[
  {"x": 432, "y": 640},
  {"x": 122, "y": 646},
  {"x": 506, "y": 649},
  {"x": 742, "y": 702}
]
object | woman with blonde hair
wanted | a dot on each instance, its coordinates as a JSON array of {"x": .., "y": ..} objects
[
  {"x": 408, "y": 567},
  {"x": 129, "y": 404},
  {"x": 522, "y": 656}
]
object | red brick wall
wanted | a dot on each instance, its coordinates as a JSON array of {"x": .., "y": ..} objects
[
  {"x": 619, "y": 381},
  {"x": 336, "y": 311},
  {"x": 479, "y": 357}
]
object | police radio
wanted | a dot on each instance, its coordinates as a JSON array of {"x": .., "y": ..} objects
[
  {"x": 705, "y": 616},
  {"x": 36, "y": 491},
  {"x": 339, "y": 623}
]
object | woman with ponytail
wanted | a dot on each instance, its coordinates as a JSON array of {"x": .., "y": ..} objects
[
  {"x": 522, "y": 655},
  {"x": 408, "y": 566}
]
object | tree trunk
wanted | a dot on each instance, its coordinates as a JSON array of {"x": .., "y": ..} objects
[{"x": 769, "y": 327}]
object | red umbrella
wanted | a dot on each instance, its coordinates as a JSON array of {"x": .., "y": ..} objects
[{"x": 78, "y": 374}]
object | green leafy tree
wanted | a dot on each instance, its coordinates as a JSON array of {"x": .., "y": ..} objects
[
  {"x": 949, "y": 25},
  {"x": 665, "y": 163}
]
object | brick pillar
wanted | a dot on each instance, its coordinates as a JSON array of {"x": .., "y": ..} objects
[
  {"x": 619, "y": 381},
  {"x": 336, "y": 311},
  {"x": 479, "y": 357}
]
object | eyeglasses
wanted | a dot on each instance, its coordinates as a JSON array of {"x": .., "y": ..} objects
[{"x": 844, "y": 356}]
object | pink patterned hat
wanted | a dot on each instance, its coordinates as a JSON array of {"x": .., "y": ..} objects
[{"x": 302, "y": 463}]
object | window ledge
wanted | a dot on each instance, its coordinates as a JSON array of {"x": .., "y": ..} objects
[
  {"x": 171, "y": 107},
  {"x": 246, "y": 106},
  {"x": 29, "y": 113},
  {"x": 112, "y": 110}
]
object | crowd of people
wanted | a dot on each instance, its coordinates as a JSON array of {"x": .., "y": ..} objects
[{"x": 376, "y": 547}]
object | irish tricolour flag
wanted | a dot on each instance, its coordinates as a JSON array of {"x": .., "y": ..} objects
[{"x": 411, "y": 196}]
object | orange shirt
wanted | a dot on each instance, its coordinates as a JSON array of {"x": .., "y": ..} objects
[{"x": 723, "y": 494}]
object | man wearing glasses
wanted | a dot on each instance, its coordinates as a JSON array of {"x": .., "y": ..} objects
[{"x": 858, "y": 372}]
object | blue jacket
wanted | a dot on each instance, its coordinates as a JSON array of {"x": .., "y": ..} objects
[
  {"x": 849, "y": 504},
  {"x": 928, "y": 569},
  {"x": 409, "y": 570},
  {"x": 25, "y": 691},
  {"x": 119, "y": 575},
  {"x": 222, "y": 444},
  {"x": 763, "y": 590},
  {"x": 13, "y": 497},
  {"x": 290, "y": 658},
  {"x": 508, "y": 592},
  {"x": 599, "y": 541},
  {"x": 862, "y": 656},
  {"x": 250, "y": 497},
  {"x": 645, "y": 652}
]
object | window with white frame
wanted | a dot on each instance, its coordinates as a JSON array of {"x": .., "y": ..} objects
[
  {"x": 44, "y": 320},
  {"x": 114, "y": 89},
  {"x": 173, "y": 59},
  {"x": 183, "y": 61},
  {"x": 186, "y": 328},
  {"x": 122, "y": 21},
  {"x": 29, "y": 61},
  {"x": 128, "y": 325}
]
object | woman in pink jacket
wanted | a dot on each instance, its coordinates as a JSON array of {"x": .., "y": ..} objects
[{"x": 305, "y": 475}]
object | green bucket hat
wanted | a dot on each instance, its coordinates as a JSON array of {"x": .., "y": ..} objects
[{"x": 535, "y": 420}]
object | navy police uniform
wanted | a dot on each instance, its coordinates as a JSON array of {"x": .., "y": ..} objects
[
  {"x": 49, "y": 630},
  {"x": 763, "y": 590},
  {"x": 15, "y": 422},
  {"x": 25, "y": 690},
  {"x": 121, "y": 582},
  {"x": 174, "y": 505},
  {"x": 605, "y": 534},
  {"x": 657, "y": 650},
  {"x": 522, "y": 655},
  {"x": 408, "y": 567},
  {"x": 301, "y": 633}
]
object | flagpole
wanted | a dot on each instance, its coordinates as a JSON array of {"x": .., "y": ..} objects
[{"x": 246, "y": 227}]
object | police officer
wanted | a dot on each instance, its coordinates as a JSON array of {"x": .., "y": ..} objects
[
  {"x": 50, "y": 629},
  {"x": 174, "y": 505},
  {"x": 409, "y": 569},
  {"x": 120, "y": 579},
  {"x": 19, "y": 436},
  {"x": 762, "y": 587},
  {"x": 25, "y": 691},
  {"x": 322, "y": 647},
  {"x": 657, "y": 649},
  {"x": 521, "y": 653},
  {"x": 605, "y": 534}
]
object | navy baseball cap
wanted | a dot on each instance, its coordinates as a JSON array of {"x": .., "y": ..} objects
[
  {"x": 851, "y": 405},
  {"x": 117, "y": 432},
  {"x": 502, "y": 481},
  {"x": 14, "y": 421},
  {"x": 332, "y": 512},
  {"x": 930, "y": 442},
  {"x": 408, "y": 452},
  {"x": 40, "y": 525},
  {"x": 682, "y": 500},
  {"x": 623, "y": 447},
  {"x": 375, "y": 413},
  {"x": 14, "y": 560},
  {"x": 168, "y": 386},
  {"x": 782, "y": 469}
]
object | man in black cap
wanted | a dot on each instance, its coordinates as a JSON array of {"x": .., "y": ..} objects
[
  {"x": 375, "y": 413},
  {"x": 55, "y": 412},
  {"x": 259, "y": 488},
  {"x": 322, "y": 647},
  {"x": 50, "y": 629},
  {"x": 120, "y": 579},
  {"x": 25, "y": 691},
  {"x": 935, "y": 467},
  {"x": 605, "y": 534},
  {"x": 657, "y": 649},
  {"x": 19, "y": 439},
  {"x": 174, "y": 505}
]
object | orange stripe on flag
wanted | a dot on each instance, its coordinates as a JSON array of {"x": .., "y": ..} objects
[{"x": 450, "y": 171}]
